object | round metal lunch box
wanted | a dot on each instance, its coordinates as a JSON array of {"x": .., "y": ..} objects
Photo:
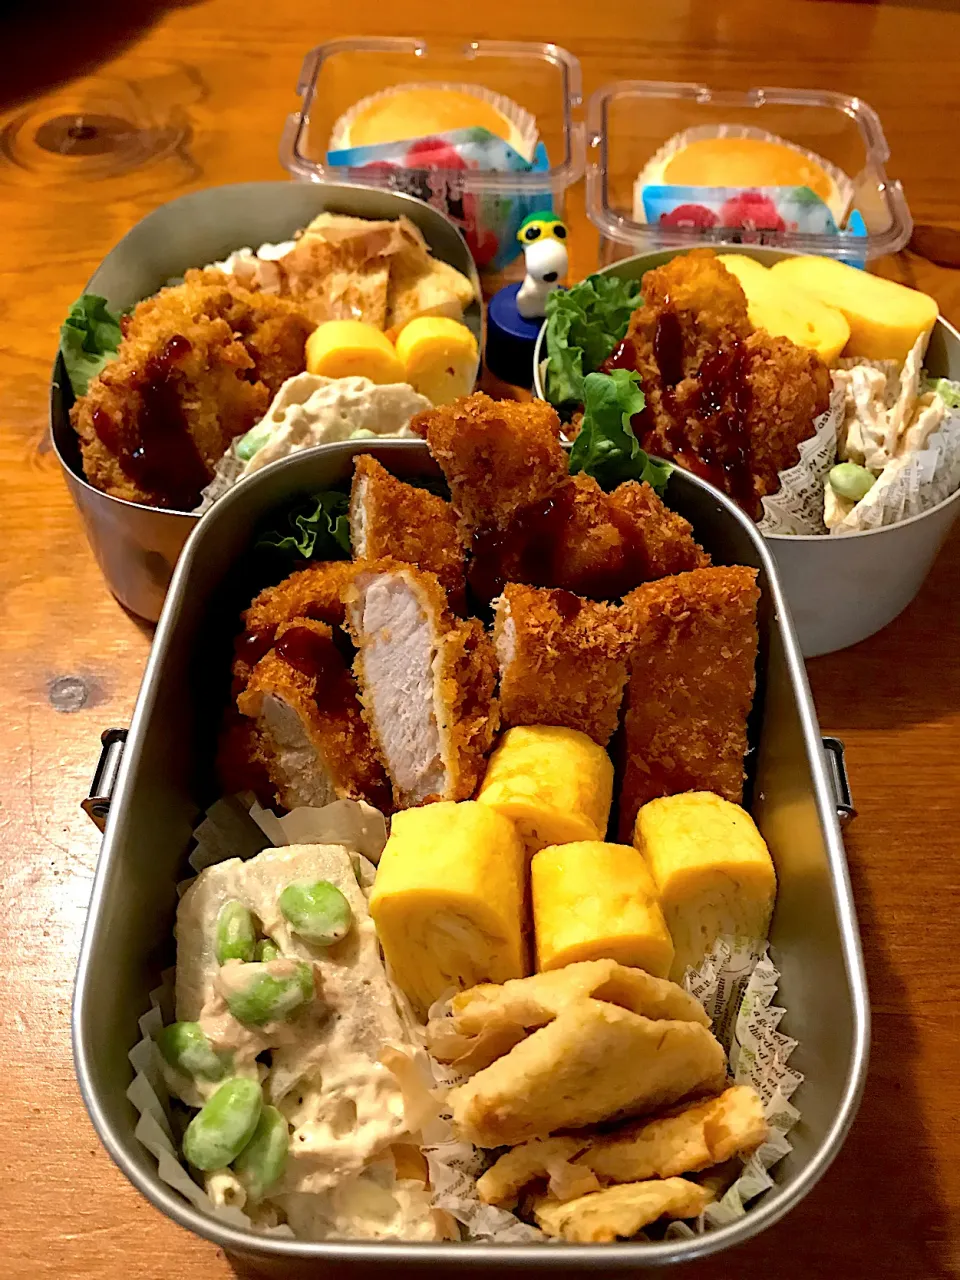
[
  {"x": 845, "y": 588},
  {"x": 137, "y": 546},
  {"x": 165, "y": 781}
]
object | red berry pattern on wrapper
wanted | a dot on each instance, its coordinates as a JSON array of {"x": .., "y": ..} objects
[
  {"x": 689, "y": 215},
  {"x": 753, "y": 211}
]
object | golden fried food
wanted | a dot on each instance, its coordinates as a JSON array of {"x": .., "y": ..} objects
[
  {"x": 196, "y": 367},
  {"x": 496, "y": 455},
  {"x": 311, "y": 737},
  {"x": 593, "y": 1062},
  {"x": 685, "y": 1140},
  {"x": 692, "y": 677},
  {"x": 620, "y": 1212},
  {"x": 563, "y": 660},
  {"x": 729, "y": 403},
  {"x": 660, "y": 539},
  {"x": 388, "y": 517}
]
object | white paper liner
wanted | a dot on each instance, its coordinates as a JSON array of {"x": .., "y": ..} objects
[
  {"x": 524, "y": 132},
  {"x": 651, "y": 174},
  {"x": 797, "y": 506},
  {"x": 736, "y": 984},
  {"x": 234, "y": 827}
]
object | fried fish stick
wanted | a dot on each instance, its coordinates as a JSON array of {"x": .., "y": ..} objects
[
  {"x": 497, "y": 455},
  {"x": 390, "y": 518},
  {"x": 692, "y": 678},
  {"x": 311, "y": 737},
  {"x": 563, "y": 660},
  {"x": 426, "y": 681}
]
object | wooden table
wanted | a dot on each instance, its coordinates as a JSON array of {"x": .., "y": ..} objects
[{"x": 219, "y": 77}]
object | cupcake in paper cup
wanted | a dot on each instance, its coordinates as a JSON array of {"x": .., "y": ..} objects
[
  {"x": 745, "y": 179},
  {"x": 427, "y": 139}
]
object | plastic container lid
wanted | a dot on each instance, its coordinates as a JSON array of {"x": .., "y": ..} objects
[
  {"x": 628, "y": 122},
  {"x": 543, "y": 79}
]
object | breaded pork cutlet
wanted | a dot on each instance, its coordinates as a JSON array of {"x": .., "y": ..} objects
[
  {"x": 196, "y": 367},
  {"x": 314, "y": 592},
  {"x": 311, "y": 737},
  {"x": 390, "y": 518},
  {"x": 692, "y": 678},
  {"x": 562, "y": 659},
  {"x": 723, "y": 400},
  {"x": 426, "y": 681},
  {"x": 496, "y": 455},
  {"x": 583, "y": 540}
]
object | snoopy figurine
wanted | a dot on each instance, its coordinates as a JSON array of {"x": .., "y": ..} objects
[{"x": 543, "y": 237}]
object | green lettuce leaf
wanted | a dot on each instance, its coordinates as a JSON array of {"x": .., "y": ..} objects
[
  {"x": 584, "y": 325},
  {"x": 89, "y": 338},
  {"x": 317, "y": 528},
  {"x": 949, "y": 392},
  {"x": 607, "y": 447}
]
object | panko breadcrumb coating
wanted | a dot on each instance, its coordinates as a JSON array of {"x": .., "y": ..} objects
[
  {"x": 311, "y": 737},
  {"x": 563, "y": 660},
  {"x": 390, "y": 518},
  {"x": 723, "y": 400},
  {"x": 496, "y": 455},
  {"x": 196, "y": 367},
  {"x": 692, "y": 678}
]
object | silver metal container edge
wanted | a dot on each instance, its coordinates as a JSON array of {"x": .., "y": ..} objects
[
  {"x": 137, "y": 546},
  {"x": 842, "y": 589},
  {"x": 159, "y": 794}
]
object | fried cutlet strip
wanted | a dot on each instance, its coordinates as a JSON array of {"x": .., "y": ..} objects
[
  {"x": 563, "y": 660},
  {"x": 489, "y": 1019},
  {"x": 706, "y": 298},
  {"x": 661, "y": 537},
  {"x": 390, "y": 518},
  {"x": 692, "y": 678},
  {"x": 620, "y": 1212},
  {"x": 313, "y": 592},
  {"x": 686, "y": 1140},
  {"x": 427, "y": 682},
  {"x": 311, "y": 737},
  {"x": 593, "y": 1062},
  {"x": 496, "y": 455}
]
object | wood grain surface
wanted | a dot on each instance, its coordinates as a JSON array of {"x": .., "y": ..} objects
[{"x": 212, "y": 83}]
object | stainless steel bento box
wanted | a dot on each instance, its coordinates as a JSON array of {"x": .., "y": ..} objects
[
  {"x": 137, "y": 546},
  {"x": 166, "y": 779},
  {"x": 841, "y": 588}
]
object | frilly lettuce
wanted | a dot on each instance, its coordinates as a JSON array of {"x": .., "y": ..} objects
[
  {"x": 89, "y": 338},
  {"x": 607, "y": 447},
  {"x": 316, "y": 528},
  {"x": 584, "y": 325}
]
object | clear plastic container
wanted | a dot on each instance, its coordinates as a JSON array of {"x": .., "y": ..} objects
[
  {"x": 543, "y": 79},
  {"x": 630, "y": 120}
]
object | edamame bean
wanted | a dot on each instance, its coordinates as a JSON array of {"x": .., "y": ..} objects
[
  {"x": 851, "y": 481},
  {"x": 254, "y": 440},
  {"x": 186, "y": 1047},
  {"x": 267, "y": 951},
  {"x": 236, "y": 935},
  {"x": 318, "y": 912},
  {"x": 261, "y": 1163},
  {"x": 271, "y": 992},
  {"x": 218, "y": 1133}
]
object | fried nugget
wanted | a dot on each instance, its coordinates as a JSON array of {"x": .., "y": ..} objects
[
  {"x": 196, "y": 367},
  {"x": 660, "y": 539},
  {"x": 686, "y": 1140},
  {"x": 692, "y": 678},
  {"x": 563, "y": 660},
  {"x": 593, "y": 1062},
  {"x": 427, "y": 682},
  {"x": 620, "y": 1212},
  {"x": 315, "y": 592},
  {"x": 496, "y": 455},
  {"x": 311, "y": 737},
  {"x": 390, "y": 518}
]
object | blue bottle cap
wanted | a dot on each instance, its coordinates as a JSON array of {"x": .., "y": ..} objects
[{"x": 510, "y": 338}]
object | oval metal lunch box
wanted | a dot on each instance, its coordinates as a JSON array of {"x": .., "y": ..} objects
[{"x": 166, "y": 779}]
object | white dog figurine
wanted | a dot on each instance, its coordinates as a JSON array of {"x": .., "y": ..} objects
[{"x": 543, "y": 237}]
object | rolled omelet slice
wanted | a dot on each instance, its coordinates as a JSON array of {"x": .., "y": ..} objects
[
  {"x": 712, "y": 868},
  {"x": 353, "y": 348},
  {"x": 785, "y": 310},
  {"x": 439, "y": 357},
  {"x": 448, "y": 900},
  {"x": 596, "y": 901},
  {"x": 554, "y": 784}
]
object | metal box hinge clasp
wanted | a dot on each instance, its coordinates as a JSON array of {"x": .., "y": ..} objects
[
  {"x": 837, "y": 771},
  {"x": 97, "y": 803}
]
